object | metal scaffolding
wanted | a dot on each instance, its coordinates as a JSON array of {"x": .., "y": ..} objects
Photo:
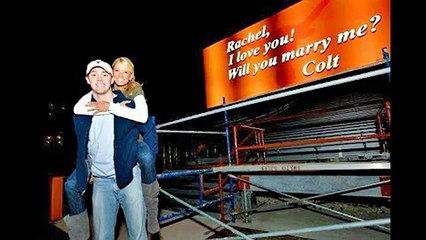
[{"x": 232, "y": 164}]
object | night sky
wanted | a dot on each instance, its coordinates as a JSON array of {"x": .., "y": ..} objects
[
  {"x": 51, "y": 44},
  {"x": 164, "y": 43}
]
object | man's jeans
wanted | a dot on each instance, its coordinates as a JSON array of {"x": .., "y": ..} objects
[
  {"x": 76, "y": 200},
  {"x": 107, "y": 198}
]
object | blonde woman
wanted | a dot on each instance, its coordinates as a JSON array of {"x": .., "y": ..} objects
[{"x": 124, "y": 80}]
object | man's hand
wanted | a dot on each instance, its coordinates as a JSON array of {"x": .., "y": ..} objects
[{"x": 101, "y": 106}]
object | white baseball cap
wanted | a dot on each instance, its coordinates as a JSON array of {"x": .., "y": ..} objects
[{"x": 98, "y": 63}]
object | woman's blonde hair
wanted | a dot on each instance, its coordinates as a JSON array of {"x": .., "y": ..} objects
[{"x": 132, "y": 85}]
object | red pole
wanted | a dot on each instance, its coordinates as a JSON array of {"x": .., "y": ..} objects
[
  {"x": 388, "y": 111},
  {"x": 222, "y": 204}
]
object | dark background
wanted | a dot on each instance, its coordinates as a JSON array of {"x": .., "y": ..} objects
[
  {"x": 46, "y": 47},
  {"x": 164, "y": 40},
  {"x": 49, "y": 45}
]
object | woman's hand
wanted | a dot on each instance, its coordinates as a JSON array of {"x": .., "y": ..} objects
[{"x": 100, "y": 106}]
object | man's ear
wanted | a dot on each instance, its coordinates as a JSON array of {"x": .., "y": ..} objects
[
  {"x": 87, "y": 80},
  {"x": 112, "y": 80}
]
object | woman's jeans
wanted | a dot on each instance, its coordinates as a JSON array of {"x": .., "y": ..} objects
[
  {"x": 76, "y": 200},
  {"x": 146, "y": 160}
]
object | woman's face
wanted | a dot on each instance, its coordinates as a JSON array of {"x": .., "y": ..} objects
[{"x": 122, "y": 74}]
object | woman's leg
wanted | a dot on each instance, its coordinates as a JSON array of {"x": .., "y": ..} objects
[
  {"x": 150, "y": 186},
  {"x": 77, "y": 220}
]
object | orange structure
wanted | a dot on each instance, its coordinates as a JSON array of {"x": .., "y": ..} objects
[{"x": 56, "y": 197}]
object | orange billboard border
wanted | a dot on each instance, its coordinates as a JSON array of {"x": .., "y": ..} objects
[{"x": 310, "y": 40}]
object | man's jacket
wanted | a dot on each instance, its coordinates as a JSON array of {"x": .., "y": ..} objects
[{"x": 125, "y": 146}]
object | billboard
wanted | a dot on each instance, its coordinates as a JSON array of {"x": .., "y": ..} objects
[{"x": 308, "y": 41}]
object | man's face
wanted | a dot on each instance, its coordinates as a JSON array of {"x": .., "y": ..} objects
[{"x": 99, "y": 80}]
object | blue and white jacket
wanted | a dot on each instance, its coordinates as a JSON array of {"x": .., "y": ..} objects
[{"x": 125, "y": 146}]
